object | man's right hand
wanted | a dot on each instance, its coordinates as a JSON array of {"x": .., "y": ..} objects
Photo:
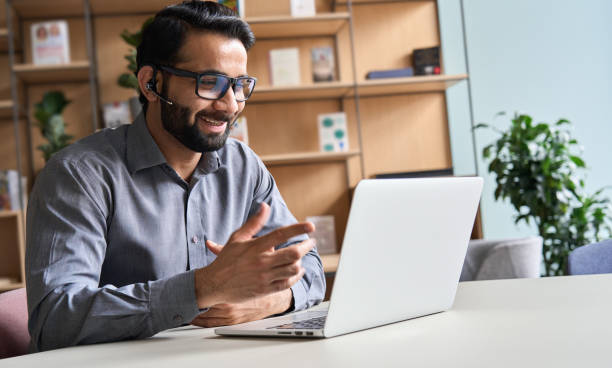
[{"x": 248, "y": 267}]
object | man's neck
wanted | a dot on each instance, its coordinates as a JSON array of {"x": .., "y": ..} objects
[{"x": 183, "y": 160}]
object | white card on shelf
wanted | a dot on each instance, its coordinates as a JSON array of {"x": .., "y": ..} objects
[{"x": 285, "y": 67}]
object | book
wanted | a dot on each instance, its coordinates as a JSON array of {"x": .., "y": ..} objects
[
  {"x": 303, "y": 8},
  {"x": 240, "y": 131},
  {"x": 116, "y": 113},
  {"x": 285, "y": 67},
  {"x": 9, "y": 190},
  {"x": 50, "y": 44},
  {"x": 426, "y": 61},
  {"x": 324, "y": 234},
  {"x": 390, "y": 73},
  {"x": 333, "y": 135},
  {"x": 236, "y": 5},
  {"x": 323, "y": 66}
]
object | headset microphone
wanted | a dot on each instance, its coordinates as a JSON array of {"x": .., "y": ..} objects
[{"x": 150, "y": 87}]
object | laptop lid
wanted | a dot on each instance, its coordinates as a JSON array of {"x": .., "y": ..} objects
[{"x": 403, "y": 249}]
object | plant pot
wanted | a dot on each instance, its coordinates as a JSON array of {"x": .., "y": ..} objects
[{"x": 135, "y": 107}]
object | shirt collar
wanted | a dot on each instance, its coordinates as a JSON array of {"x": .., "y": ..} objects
[{"x": 143, "y": 152}]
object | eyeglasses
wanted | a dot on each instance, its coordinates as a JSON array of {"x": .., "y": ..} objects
[{"x": 213, "y": 86}]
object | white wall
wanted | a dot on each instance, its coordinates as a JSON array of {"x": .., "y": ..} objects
[{"x": 546, "y": 58}]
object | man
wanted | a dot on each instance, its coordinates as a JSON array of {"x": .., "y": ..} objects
[{"x": 124, "y": 227}]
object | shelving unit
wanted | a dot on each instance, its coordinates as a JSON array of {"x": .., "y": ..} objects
[
  {"x": 307, "y": 158},
  {"x": 77, "y": 71},
  {"x": 12, "y": 274},
  {"x": 394, "y": 125},
  {"x": 6, "y": 109}
]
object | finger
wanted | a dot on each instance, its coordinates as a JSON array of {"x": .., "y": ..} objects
[
  {"x": 214, "y": 247},
  {"x": 282, "y": 235},
  {"x": 253, "y": 225},
  {"x": 285, "y": 272},
  {"x": 281, "y": 285},
  {"x": 292, "y": 253}
]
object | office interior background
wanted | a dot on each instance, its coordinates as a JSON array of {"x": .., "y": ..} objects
[{"x": 546, "y": 58}]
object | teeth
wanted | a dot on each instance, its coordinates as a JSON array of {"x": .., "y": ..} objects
[{"x": 213, "y": 122}]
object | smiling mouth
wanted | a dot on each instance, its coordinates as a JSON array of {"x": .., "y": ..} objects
[{"x": 212, "y": 122}]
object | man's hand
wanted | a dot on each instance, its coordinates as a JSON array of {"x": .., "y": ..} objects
[
  {"x": 252, "y": 310},
  {"x": 248, "y": 268}
]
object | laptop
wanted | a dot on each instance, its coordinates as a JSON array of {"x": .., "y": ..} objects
[{"x": 403, "y": 250}]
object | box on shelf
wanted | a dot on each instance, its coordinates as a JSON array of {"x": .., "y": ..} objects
[
  {"x": 285, "y": 67},
  {"x": 303, "y": 8},
  {"x": 333, "y": 135},
  {"x": 9, "y": 190},
  {"x": 323, "y": 65},
  {"x": 50, "y": 42},
  {"x": 390, "y": 73},
  {"x": 117, "y": 113},
  {"x": 426, "y": 61},
  {"x": 235, "y": 5},
  {"x": 324, "y": 234},
  {"x": 240, "y": 131}
]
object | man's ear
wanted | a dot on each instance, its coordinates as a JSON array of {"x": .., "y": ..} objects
[{"x": 146, "y": 76}]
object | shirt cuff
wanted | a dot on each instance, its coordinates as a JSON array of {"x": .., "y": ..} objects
[
  {"x": 299, "y": 295},
  {"x": 173, "y": 302}
]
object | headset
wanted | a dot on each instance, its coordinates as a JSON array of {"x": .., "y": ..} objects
[{"x": 151, "y": 87}]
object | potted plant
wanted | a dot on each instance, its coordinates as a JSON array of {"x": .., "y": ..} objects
[
  {"x": 538, "y": 169},
  {"x": 129, "y": 80},
  {"x": 48, "y": 114}
]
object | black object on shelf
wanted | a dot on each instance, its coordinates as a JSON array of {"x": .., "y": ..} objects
[{"x": 426, "y": 61}]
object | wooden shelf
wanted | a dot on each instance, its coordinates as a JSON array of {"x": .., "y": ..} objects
[
  {"x": 417, "y": 84},
  {"x": 325, "y": 24},
  {"x": 6, "y": 112},
  {"x": 4, "y": 40},
  {"x": 27, "y": 9},
  {"x": 122, "y": 7},
  {"x": 77, "y": 71},
  {"x": 357, "y": 2},
  {"x": 8, "y": 214},
  {"x": 314, "y": 91},
  {"x": 307, "y": 157},
  {"x": 330, "y": 262},
  {"x": 10, "y": 285}
]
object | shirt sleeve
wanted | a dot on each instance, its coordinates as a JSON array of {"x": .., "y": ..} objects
[
  {"x": 310, "y": 289},
  {"x": 66, "y": 244}
]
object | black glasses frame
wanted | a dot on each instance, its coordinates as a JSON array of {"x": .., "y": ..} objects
[{"x": 198, "y": 76}]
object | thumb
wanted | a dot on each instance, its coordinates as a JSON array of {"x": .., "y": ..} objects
[
  {"x": 252, "y": 225},
  {"x": 214, "y": 247}
]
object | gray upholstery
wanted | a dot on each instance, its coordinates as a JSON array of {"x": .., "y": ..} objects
[
  {"x": 502, "y": 259},
  {"x": 591, "y": 259}
]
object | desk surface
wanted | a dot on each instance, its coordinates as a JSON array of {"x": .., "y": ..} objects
[{"x": 560, "y": 322}]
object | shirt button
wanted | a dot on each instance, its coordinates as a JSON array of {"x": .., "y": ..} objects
[
  {"x": 177, "y": 318},
  {"x": 194, "y": 239}
]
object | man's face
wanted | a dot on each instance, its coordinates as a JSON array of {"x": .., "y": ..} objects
[{"x": 203, "y": 125}]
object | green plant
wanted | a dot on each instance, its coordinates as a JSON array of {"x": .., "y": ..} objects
[
  {"x": 129, "y": 80},
  {"x": 48, "y": 112},
  {"x": 538, "y": 170}
]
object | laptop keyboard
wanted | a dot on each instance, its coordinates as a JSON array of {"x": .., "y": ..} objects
[{"x": 308, "y": 324}]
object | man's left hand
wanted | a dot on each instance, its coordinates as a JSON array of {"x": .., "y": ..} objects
[{"x": 252, "y": 310}]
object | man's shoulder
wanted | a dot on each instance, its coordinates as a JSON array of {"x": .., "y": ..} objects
[
  {"x": 105, "y": 148},
  {"x": 235, "y": 152}
]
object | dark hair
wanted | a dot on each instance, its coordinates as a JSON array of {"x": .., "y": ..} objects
[{"x": 165, "y": 35}]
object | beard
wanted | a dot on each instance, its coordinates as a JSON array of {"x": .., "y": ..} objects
[{"x": 176, "y": 120}]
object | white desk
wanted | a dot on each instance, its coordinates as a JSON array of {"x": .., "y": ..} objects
[{"x": 552, "y": 322}]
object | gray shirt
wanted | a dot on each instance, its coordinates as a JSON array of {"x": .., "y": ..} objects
[{"x": 114, "y": 236}]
